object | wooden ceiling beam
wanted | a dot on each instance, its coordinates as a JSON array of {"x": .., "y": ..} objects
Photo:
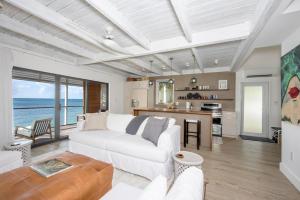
[
  {"x": 198, "y": 59},
  {"x": 40, "y": 11},
  {"x": 25, "y": 30},
  {"x": 109, "y": 11},
  {"x": 165, "y": 61},
  {"x": 264, "y": 11},
  {"x": 178, "y": 9},
  {"x": 120, "y": 66},
  {"x": 145, "y": 65},
  {"x": 221, "y": 35}
]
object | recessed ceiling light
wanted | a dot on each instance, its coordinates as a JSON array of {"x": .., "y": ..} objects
[
  {"x": 216, "y": 61},
  {"x": 187, "y": 64},
  {"x": 163, "y": 67}
]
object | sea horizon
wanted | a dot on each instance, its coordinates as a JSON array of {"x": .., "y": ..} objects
[{"x": 27, "y": 110}]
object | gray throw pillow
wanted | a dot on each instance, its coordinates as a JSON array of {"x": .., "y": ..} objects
[
  {"x": 154, "y": 129},
  {"x": 135, "y": 124}
]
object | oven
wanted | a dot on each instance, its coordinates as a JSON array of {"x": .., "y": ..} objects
[{"x": 216, "y": 109}]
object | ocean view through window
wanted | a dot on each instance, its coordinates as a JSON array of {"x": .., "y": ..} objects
[
  {"x": 40, "y": 98},
  {"x": 35, "y": 100}
]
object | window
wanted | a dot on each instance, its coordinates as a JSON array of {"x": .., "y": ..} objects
[
  {"x": 38, "y": 95},
  {"x": 164, "y": 92},
  {"x": 71, "y": 100},
  {"x": 32, "y": 100}
]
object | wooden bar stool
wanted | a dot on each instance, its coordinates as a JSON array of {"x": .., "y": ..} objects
[{"x": 187, "y": 132}]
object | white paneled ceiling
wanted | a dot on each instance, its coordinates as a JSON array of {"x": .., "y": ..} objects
[
  {"x": 214, "y": 14},
  {"x": 154, "y": 18},
  {"x": 219, "y": 55},
  {"x": 138, "y": 31},
  {"x": 182, "y": 59}
]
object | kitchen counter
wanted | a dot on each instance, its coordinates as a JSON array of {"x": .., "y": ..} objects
[
  {"x": 184, "y": 111},
  {"x": 180, "y": 114}
]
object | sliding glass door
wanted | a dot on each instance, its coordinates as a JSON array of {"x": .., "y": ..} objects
[
  {"x": 38, "y": 96},
  {"x": 71, "y": 101}
]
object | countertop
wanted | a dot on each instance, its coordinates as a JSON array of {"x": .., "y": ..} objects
[{"x": 182, "y": 111}]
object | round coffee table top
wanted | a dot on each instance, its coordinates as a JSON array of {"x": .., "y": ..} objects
[{"x": 189, "y": 158}]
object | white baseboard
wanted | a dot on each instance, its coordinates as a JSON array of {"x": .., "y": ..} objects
[{"x": 290, "y": 175}]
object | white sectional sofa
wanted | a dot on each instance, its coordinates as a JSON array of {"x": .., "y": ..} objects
[
  {"x": 131, "y": 153},
  {"x": 10, "y": 160},
  {"x": 188, "y": 186}
]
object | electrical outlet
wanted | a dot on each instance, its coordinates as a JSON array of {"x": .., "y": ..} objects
[{"x": 292, "y": 156}]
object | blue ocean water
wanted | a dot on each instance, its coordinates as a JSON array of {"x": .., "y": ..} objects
[{"x": 25, "y": 117}]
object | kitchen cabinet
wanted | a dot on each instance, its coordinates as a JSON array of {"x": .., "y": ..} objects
[
  {"x": 135, "y": 95},
  {"x": 229, "y": 128}
]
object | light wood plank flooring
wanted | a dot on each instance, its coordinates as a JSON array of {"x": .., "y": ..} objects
[{"x": 236, "y": 170}]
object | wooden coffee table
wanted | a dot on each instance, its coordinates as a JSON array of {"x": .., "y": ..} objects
[{"x": 88, "y": 179}]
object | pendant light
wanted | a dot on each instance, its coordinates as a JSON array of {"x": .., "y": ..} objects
[
  {"x": 194, "y": 79},
  {"x": 171, "y": 80},
  {"x": 150, "y": 81}
]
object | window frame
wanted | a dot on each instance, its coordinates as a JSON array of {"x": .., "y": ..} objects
[
  {"x": 56, "y": 79},
  {"x": 157, "y": 92}
]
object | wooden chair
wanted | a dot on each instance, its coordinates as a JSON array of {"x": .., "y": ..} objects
[{"x": 39, "y": 128}]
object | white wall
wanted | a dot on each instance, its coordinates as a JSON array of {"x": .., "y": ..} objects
[
  {"x": 290, "y": 155},
  {"x": 6, "y": 64},
  {"x": 262, "y": 61},
  {"x": 10, "y": 58}
]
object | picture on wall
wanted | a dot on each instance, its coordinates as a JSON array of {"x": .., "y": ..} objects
[{"x": 290, "y": 86}]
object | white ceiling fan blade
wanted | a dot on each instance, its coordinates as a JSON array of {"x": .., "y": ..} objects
[{"x": 115, "y": 46}]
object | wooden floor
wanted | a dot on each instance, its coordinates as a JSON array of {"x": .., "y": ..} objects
[
  {"x": 236, "y": 170},
  {"x": 242, "y": 170}
]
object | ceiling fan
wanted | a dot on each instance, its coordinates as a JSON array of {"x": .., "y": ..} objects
[{"x": 111, "y": 44}]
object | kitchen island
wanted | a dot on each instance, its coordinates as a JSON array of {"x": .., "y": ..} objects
[{"x": 180, "y": 114}]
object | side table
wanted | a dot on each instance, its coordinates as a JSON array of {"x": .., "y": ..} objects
[
  {"x": 189, "y": 159},
  {"x": 22, "y": 145}
]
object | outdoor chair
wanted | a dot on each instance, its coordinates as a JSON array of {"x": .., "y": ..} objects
[{"x": 39, "y": 128}]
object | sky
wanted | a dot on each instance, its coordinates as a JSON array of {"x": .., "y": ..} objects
[{"x": 30, "y": 89}]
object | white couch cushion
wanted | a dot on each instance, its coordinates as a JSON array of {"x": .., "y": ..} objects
[
  {"x": 118, "y": 122},
  {"x": 189, "y": 185},
  {"x": 136, "y": 146},
  {"x": 10, "y": 160},
  {"x": 156, "y": 190},
  {"x": 122, "y": 191},
  {"x": 95, "y": 138},
  {"x": 9, "y": 156}
]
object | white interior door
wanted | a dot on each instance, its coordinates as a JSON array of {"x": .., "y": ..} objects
[{"x": 255, "y": 109}]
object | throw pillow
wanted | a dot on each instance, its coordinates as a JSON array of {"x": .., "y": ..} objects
[
  {"x": 154, "y": 128},
  {"x": 156, "y": 190},
  {"x": 142, "y": 127},
  {"x": 95, "y": 121},
  {"x": 134, "y": 124},
  {"x": 171, "y": 123}
]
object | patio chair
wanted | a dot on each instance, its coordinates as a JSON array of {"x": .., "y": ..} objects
[{"x": 39, "y": 128}]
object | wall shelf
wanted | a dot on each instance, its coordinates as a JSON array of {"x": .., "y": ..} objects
[
  {"x": 205, "y": 99},
  {"x": 200, "y": 90}
]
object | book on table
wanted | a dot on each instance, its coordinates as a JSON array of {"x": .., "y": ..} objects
[{"x": 50, "y": 167}]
